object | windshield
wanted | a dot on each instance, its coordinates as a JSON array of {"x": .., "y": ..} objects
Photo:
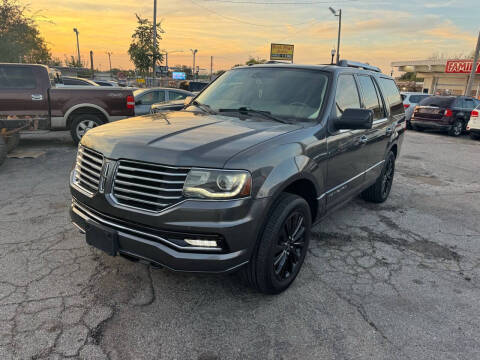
[{"x": 284, "y": 93}]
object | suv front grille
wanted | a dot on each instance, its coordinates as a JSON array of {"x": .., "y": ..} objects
[
  {"x": 148, "y": 186},
  {"x": 88, "y": 169}
]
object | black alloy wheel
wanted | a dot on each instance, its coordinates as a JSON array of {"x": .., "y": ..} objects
[
  {"x": 387, "y": 179},
  {"x": 457, "y": 128},
  {"x": 290, "y": 246}
]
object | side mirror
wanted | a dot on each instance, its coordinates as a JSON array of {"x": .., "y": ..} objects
[
  {"x": 187, "y": 100},
  {"x": 353, "y": 119}
]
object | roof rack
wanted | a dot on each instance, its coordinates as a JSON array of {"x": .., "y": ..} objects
[{"x": 358, "y": 65}]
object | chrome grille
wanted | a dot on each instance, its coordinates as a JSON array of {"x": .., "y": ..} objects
[
  {"x": 88, "y": 169},
  {"x": 148, "y": 186}
]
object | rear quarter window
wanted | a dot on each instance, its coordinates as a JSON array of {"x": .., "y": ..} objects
[
  {"x": 392, "y": 95},
  {"x": 17, "y": 77}
]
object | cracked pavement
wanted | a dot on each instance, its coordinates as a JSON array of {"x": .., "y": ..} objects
[{"x": 398, "y": 280}]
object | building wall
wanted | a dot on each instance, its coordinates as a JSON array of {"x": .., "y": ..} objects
[{"x": 454, "y": 84}]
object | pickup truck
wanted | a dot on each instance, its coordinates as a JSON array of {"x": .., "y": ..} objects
[
  {"x": 234, "y": 181},
  {"x": 30, "y": 100}
]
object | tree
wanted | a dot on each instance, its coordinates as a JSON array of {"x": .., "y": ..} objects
[
  {"x": 20, "y": 39},
  {"x": 254, "y": 61},
  {"x": 141, "y": 48},
  {"x": 72, "y": 61}
]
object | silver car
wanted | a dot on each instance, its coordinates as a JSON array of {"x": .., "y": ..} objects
[
  {"x": 145, "y": 98},
  {"x": 410, "y": 100}
]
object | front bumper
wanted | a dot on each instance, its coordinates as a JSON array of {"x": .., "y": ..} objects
[{"x": 151, "y": 238}]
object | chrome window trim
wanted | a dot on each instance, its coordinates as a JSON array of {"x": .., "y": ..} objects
[{"x": 350, "y": 180}]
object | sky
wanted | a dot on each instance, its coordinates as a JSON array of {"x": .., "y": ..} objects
[{"x": 373, "y": 31}]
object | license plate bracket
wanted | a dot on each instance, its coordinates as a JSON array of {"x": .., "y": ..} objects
[{"x": 101, "y": 237}]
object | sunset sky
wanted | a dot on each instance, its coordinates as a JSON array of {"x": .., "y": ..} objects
[{"x": 374, "y": 31}]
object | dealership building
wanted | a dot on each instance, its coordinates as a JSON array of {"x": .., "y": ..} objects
[{"x": 445, "y": 77}]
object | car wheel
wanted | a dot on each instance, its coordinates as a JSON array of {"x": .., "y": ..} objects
[
  {"x": 416, "y": 128},
  {"x": 82, "y": 123},
  {"x": 474, "y": 136},
  {"x": 380, "y": 190},
  {"x": 3, "y": 150},
  {"x": 456, "y": 129},
  {"x": 281, "y": 250},
  {"x": 12, "y": 142}
]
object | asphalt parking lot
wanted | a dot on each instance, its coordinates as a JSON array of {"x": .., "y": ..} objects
[{"x": 394, "y": 281}]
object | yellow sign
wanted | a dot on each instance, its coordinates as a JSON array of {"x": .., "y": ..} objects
[
  {"x": 141, "y": 81},
  {"x": 281, "y": 52}
]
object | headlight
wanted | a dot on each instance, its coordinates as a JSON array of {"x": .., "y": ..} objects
[{"x": 217, "y": 184}]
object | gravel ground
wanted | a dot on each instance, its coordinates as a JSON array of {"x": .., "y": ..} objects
[{"x": 394, "y": 281}]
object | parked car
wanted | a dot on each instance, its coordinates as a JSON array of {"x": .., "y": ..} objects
[
  {"x": 145, "y": 98},
  {"x": 474, "y": 124},
  {"x": 31, "y": 100},
  {"x": 236, "y": 180},
  {"x": 106, "y": 83},
  {"x": 410, "y": 100},
  {"x": 75, "y": 81},
  {"x": 193, "y": 86},
  {"x": 174, "y": 105},
  {"x": 448, "y": 113}
]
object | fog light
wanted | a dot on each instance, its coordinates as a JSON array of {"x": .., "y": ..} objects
[{"x": 201, "y": 243}]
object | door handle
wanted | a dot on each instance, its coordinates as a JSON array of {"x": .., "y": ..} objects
[
  {"x": 37, "y": 97},
  {"x": 363, "y": 139}
]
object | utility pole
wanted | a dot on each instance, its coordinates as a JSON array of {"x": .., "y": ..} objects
[
  {"x": 194, "y": 74},
  {"x": 154, "y": 38},
  {"x": 339, "y": 15},
  {"x": 75, "y": 30},
  {"x": 91, "y": 63},
  {"x": 110, "y": 62},
  {"x": 468, "y": 90},
  {"x": 211, "y": 67}
]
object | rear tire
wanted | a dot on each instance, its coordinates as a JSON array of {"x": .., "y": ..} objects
[
  {"x": 3, "y": 150},
  {"x": 282, "y": 246},
  {"x": 456, "y": 129},
  {"x": 12, "y": 142},
  {"x": 82, "y": 123},
  {"x": 380, "y": 190}
]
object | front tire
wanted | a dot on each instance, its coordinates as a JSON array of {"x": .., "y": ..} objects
[
  {"x": 81, "y": 124},
  {"x": 281, "y": 250},
  {"x": 474, "y": 136},
  {"x": 380, "y": 190}
]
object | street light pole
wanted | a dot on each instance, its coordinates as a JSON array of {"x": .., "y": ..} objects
[
  {"x": 154, "y": 38},
  {"x": 333, "y": 55},
  {"x": 194, "y": 52},
  {"x": 110, "y": 61},
  {"x": 468, "y": 90},
  {"x": 339, "y": 15},
  {"x": 75, "y": 30}
]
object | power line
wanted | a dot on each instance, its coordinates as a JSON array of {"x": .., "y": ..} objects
[
  {"x": 245, "y": 22},
  {"x": 278, "y": 3}
]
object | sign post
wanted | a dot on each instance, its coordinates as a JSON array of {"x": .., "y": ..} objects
[{"x": 281, "y": 52}]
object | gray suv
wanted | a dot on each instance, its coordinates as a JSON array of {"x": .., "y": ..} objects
[{"x": 235, "y": 180}]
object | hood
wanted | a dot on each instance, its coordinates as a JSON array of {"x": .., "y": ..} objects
[{"x": 182, "y": 138}]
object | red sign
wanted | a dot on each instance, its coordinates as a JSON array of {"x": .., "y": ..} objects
[{"x": 461, "y": 67}]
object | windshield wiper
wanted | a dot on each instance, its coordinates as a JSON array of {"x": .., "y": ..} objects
[
  {"x": 246, "y": 111},
  {"x": 204, "y": 107}
]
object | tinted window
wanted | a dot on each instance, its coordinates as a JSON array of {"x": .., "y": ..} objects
[
  {"x": 390, "y": 91},
  {"x": 438, "y": 101},
  {"x": 152, "y": 97},
  {"x": 347, "y": 94},
  {"x": 13, "y": 77},
  {"x": 173, "y": 95},
  {"x": 371, "y": 100},
  {"x": 468, "y": 104},
  {"x": 415, "y": 99}
]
